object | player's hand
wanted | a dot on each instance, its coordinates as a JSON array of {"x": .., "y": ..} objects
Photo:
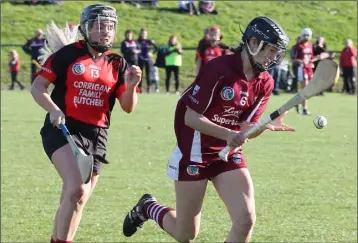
[
  {"x": 133, "y": 76},
  {"x": 56, "y": 117},
  {"x": 278, "y": 125},
  {"x": 236, "y": 139}
]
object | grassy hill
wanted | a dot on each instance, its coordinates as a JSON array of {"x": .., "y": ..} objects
[{"x": 334, "y": 20}]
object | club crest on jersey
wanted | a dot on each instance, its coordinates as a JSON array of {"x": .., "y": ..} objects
[
  {"x": 195, "y": 90},
  {"x": 192, "y": 170},
  {"x": 227, "y": 93},
  {"x": 78, "y": 68},
  {"x": 236, "y": 158}
]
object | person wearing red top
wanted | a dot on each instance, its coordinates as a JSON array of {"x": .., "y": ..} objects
[
  {"x": 348, "y": 64},
  {"x": 210, "y": 47},
  {"x": 88, "y": 79},
  {"x": 227, "y": 97},
  {"x": 305, "y": 59},
  {"x": 14, "y": 66}
]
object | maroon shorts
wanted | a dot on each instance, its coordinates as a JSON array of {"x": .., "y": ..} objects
[{"x": 182, "y": 168}]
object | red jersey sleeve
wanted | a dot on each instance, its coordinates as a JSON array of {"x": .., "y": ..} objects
[
  {"x": 254, "y": 113},
  {"x": 122, "y": 86},
  {"x": 200, "y": 94},
  {"x": 52, "y": 68}
]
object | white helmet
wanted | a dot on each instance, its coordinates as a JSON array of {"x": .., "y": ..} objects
[{"x": 306, "y": 32}]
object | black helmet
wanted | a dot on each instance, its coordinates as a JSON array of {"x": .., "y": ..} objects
[
  {"x": 97, "y": 12},
  {"x": 266, "y": 31}
]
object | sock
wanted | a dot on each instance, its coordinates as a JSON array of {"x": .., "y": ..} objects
[
  {"x": 155, "y": 211},
  {"x": 63, "y": 241}
]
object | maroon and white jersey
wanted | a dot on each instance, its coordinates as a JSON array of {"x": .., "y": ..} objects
[{"x": 222, "y": 94}]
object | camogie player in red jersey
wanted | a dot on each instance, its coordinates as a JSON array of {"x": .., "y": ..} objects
[
  {"x": 88, "y": 78},
  {"x": 210, "y": 47},
  {"x": 305, "y": 59},
  {"x": 228, "y": 96}
]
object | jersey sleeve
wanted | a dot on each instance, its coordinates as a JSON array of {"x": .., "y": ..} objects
[
  {"x": 52, "y": 68},
  {"x": 255, "y": 111},
  {"x": 200, "y": 94}
]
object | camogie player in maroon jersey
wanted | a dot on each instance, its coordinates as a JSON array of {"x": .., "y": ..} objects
[
  {"x": 228, "y": 97},
  {"x": 88, "y": 78}
]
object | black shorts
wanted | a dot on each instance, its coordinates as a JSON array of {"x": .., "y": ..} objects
[{"x": 92, "y": 140}]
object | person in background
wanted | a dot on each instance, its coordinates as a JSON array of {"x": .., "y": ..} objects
[
  {"x": 154, "y": 75},
  {"x": 320, "y": 47},
  {"x": 295, "y": 65},
  {"x": 145, "y": 55},
  {"x": 173, "y": 61},
  {"x": 348, "y": 64},
  {"x": 14, "y": 66},
  {"x": 32, "y": 48},
  {"x": 207, "y": 7},
  {"x": 210, "y": 47},
  {"x": 130, "y": 48}
]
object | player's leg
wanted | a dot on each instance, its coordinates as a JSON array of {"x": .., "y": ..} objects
[
  {"x": 182, "y": 223},
  {"x": 236, "y": 189},
  {"x": 300, "y": 79},
  {"x": 308, "y": 73},
  {"x": 75, "y": 194}
]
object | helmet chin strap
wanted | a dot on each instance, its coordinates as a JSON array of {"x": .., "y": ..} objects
[{"x": 255, "y": 67}]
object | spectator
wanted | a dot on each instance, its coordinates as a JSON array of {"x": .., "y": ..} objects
[
  {"x": 295, "y": 65},
  {"x": 14, "y": 66},
  {"x": 188, "y": 7},
  {"x": 319, "y": 47},
  {"x": 32, "y": 47},
  {"x": 173, "y": 61},
  {"x": 348, "y": 64},
  {"x": 130, "y": 48},
  {"x": 207, "y": 7},
  {"x": 154, "y": 75},
  {"x": 145, "y": 55}
]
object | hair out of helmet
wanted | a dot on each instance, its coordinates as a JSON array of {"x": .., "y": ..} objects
[{"x": 92, "y": 13}]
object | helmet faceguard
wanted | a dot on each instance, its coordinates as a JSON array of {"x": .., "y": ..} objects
[{"x": 98, "y": 26}]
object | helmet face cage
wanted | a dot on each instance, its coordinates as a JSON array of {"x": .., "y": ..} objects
[
  {"x": 100, "y": 31},
  {"x": 271, "y": 55}
]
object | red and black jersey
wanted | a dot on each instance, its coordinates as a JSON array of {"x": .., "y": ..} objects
[
  {"x": 85, "y": 88},
  {"x": 207, "y": 52}
]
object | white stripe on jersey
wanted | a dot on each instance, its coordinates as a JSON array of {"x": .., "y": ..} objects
[{"x": 254, "y": 111}]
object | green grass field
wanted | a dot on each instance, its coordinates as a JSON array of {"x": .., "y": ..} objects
[
  {"x": 336, "y": 21},
  {"x": 305, "y": 182}
]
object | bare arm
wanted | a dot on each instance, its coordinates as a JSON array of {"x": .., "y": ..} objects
[
  {"x": 129, "y": 99},
  {"x": 40, "y": 94},
  {"x": 204, "y": 125}
]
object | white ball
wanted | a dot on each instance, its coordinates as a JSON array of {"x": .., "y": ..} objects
[{"x": 320, "y": 122}]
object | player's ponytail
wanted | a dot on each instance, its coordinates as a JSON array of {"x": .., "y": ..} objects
[{"x": 56, "y": 38}]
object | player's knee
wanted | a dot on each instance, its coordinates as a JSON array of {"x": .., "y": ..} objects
[
  {"x": 244, "y": 223},
  {"x": 78, "y": 195},
  {"x": 187, "y": 235}
]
